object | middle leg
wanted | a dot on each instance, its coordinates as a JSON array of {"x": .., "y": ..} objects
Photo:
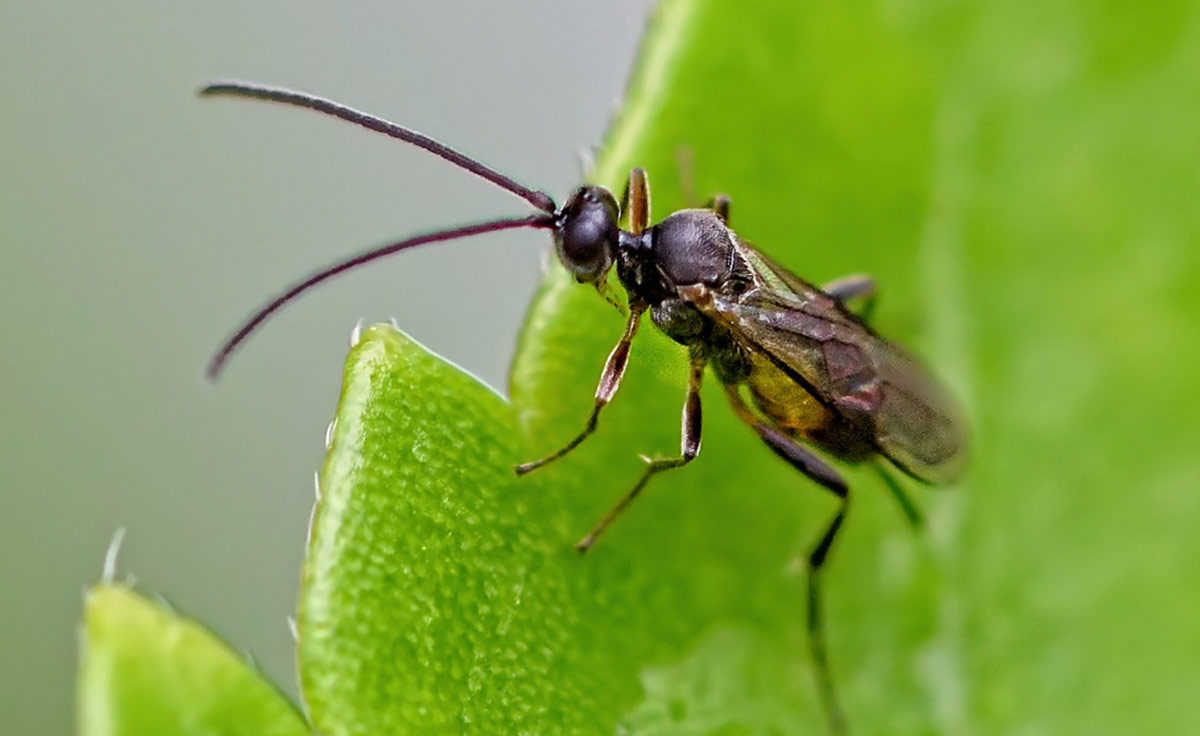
[
  {"x": 851, "y": 288},
  {"x": 689, "y": 447}
]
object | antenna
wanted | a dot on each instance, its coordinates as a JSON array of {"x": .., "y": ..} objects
[
  {"x": 539, "y": 199},
  {"x": 255, "y": 320}
]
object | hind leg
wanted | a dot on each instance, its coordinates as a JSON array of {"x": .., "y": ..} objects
[
  {"x": 856, "y": 287},
  {"x": 808, "y": 463}
]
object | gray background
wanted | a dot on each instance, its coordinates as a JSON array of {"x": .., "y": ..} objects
[{"x": 139, "y": 224}]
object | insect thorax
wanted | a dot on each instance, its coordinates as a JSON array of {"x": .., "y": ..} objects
[
  {"x": 693, "y": 247},
  {"x": 689, "y": 247}
]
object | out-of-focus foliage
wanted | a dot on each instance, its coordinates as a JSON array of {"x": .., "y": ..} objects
[{"x": 147, "y": 670}]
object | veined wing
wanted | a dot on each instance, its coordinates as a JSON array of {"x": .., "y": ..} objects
[{"x": 871, "y": 382}]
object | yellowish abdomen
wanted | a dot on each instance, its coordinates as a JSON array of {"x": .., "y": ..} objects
[{"x": 795, "y": 411}]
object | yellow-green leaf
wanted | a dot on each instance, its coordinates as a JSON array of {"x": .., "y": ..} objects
[{"x": 144, "y": 669}]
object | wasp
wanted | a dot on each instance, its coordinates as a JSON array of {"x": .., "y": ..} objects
[{"x": 802, "y": 369}]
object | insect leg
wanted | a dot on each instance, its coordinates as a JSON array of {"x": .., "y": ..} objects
[
  {"x": 689, "y": 447},
  {"x": 687, "y": 181},
  {"x": 849, "y": 288},
  {"x": 604, "y": 289},
  {"x": 799, "y": 456},
  {"x": 816, "y": 623},
  {"x": 720, "y": 205},
  {"x": 610, "y": 380},
  {"x": 639, "y": 201},
  {"x": 911, "y": 512},
  {"x": 623, "y": 212},
  {"x": 815, "y": 468}
]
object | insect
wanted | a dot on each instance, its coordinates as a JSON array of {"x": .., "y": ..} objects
[{"x": 798, "y": 366}]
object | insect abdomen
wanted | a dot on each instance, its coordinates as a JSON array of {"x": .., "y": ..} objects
[{"x": 799, "y": 414}]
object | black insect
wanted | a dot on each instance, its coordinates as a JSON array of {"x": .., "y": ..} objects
[{"x": 818, "y": 375}]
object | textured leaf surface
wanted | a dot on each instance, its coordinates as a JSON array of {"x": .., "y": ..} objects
[
  {"x": 440, "y": 593},
  {"x": 147, "y": 670},
  {"x": 1021, "y": 180}
]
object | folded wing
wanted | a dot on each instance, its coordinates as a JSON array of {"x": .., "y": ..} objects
[{"x": 871, "y": 382}]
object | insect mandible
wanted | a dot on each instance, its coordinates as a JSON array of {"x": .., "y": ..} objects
[{"x": 816, "y": 374}]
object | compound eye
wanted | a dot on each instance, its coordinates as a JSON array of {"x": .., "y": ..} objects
[{"x": 586, "y": 239}]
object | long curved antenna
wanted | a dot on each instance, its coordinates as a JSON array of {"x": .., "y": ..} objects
[
  {"x": 252, "y": 323},
  {"x": 538, "y": 199}
]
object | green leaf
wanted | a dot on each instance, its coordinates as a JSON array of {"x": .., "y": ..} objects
[
  {"x": 440, "y": 592},
  {"x": 146, "y": 670},
  {"x": 1021, "y": 180}
]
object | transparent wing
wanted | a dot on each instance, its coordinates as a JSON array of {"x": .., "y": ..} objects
[{"x": 873, "y": 383}]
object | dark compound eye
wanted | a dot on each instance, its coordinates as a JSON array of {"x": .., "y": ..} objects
[{"x": 586, "y": 238}]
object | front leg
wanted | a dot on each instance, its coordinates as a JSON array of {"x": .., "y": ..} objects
[
  {"x": 635, "y": 201},
  {"x": 610, "y": 381}
]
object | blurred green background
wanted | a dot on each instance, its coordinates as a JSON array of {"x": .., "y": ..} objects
[{"x": 139, "y": 224}]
